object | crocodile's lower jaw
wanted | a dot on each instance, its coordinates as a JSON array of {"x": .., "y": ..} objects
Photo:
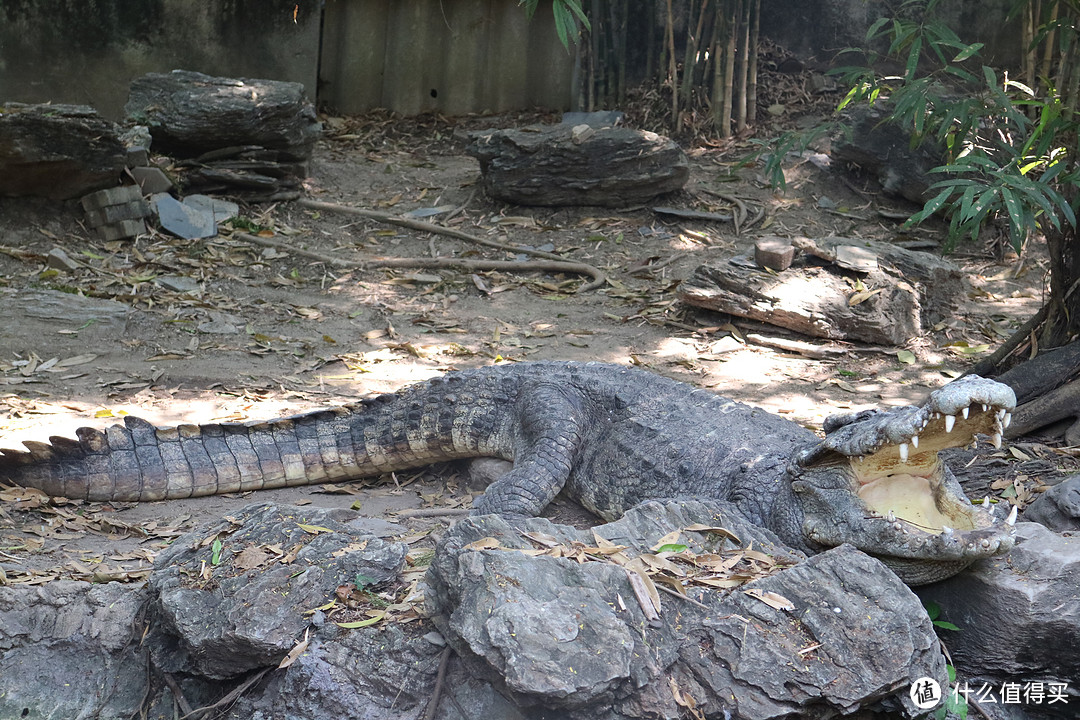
[{"x": 922, "y": 572}]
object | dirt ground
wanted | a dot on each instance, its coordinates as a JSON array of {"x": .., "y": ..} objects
[{"x": 258, "y": 332}]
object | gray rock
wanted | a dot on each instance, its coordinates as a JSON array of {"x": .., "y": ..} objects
[
  {"x": 183, "y": 220},
  {"x": 533, "y": 625},
  {"x": 241, "y": 618},
  {"x": 221, "y": 210},
  {"x": 69, "y": 310},
  {"x": 178, "y": 283},
  {"x": 57, "y": 151},
  {"x": 76, "y": 636},
  {"x": 137, "y": 142},
  {"x": 1019, "y": 614},
  {"x": 189, "y": 114},
  {"x": 1059, "y": 507},
  {"x": 60, "y": 260},
  {"x": 543, "y": 165},
  {"x": 883, "y": 150}
]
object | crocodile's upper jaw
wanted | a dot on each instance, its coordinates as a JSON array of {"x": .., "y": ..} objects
[{"x": 876, "y": 482}]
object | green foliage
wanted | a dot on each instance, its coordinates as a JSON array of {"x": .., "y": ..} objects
[
  {"x": 568, "y": 13},
  {"x": 934, "y": 611},
  {"x": 1006, "y": 145},
  {"x": 773, "y": 151},
  {"x": 955, "y": 703}
]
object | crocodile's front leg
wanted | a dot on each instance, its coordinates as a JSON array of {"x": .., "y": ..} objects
[{"x": 546, "y": 442}]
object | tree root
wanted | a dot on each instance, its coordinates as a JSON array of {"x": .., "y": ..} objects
[
  {"x": 599, "y": 280},
  {"x": 1058, "y": 404},
  {"x": 558, "y": 264},
  {"x": 440, "y": 679},
  {"x": 988, "y": 365}
]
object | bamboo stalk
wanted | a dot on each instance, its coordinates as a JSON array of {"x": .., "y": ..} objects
[
  {"x": 1048, "y": 43},
  {"x": 751, "y": 90},
  {"x": 744, "y": 62},
  {"x": 673, "y": 71},
  {"x": 729, "y": 70},
  {"x": 1027, "y": 38}
]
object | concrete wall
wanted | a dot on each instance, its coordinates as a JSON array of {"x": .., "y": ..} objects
[
  {"x": 87, "y": 51},
  {"x": 412, "y": 56},
  {"x": 451, "y": 56}
]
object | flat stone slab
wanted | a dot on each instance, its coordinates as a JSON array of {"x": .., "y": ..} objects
[
  {"x": 563, "y": 165},
  {"x": 183, "y": 220}
]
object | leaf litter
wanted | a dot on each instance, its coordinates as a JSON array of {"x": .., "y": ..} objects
[{"x": 671, "y": 566}]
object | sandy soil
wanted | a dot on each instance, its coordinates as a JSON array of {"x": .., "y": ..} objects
[{"x": 265, "y": 332}]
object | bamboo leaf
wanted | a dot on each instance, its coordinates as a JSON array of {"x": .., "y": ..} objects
[
  {"x": 967, "y": 52},
  {"x": 1012, "y": 206},
  {"x": 913, "y": 59}
]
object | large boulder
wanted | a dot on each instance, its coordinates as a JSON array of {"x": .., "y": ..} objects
[
  {"x": 841, "y": 632},
  {"x": 1059, "y": 507},
  {"x": 578, "y": 165},
  {"x": 76, "y": 636},
  {"x": 883, "y": 150},
  {"x": 57, "y": 151},
  {"x": 190, "y": 114},
  {"x": 1019, "y": 618},
  {"x": 246, "y": 604}
]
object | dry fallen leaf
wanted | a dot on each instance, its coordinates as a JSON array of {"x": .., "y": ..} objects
[
  {"x": 295, "y": 653},
  {"x": 486, "y": 543},
  {"x": 773, "y": 600}
]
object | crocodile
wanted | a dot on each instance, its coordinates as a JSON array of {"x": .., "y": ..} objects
[{"x": 612, "y": 436}]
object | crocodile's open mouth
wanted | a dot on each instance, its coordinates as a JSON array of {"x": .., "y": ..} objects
[
  {"x": 902, "y": 482},
  {"x": 907, "y": 506}
]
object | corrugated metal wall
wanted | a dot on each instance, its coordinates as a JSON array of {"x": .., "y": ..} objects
[{"x": 450, "y": 56}]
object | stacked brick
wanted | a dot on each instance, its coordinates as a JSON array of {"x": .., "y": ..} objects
[{"x": 117, "y": 213}]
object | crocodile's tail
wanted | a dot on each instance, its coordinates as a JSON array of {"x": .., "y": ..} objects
[{"x": 137, "y": 461}]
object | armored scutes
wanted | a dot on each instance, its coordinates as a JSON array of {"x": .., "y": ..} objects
[{"x": 612, "y": 436}]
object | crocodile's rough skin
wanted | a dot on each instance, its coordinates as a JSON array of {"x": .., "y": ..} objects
[{"x": 612, "y": 436}]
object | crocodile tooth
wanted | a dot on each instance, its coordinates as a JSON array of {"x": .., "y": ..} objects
[
  {"x": 950, "y": 420},
  {"x": 1006, "y": 421},
  {"x": 965, "y": 412},
  {"x": 915, "y": 441},
  {"x": 995, "y": 439},
  {"x": 986, "y": 501},
  {"x": 891, "y": 517},
  {"x": 903, "y": 452},
  {"x": 946, "y": 530},
  {"x": 985, "y": 407},
  {"x": 1011, "y": 520}
]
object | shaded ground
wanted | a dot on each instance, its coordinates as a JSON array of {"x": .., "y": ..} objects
[{"x": 263, "y": 332}]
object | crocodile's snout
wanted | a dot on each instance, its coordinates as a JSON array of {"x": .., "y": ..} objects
[{"x": 900, "y": 502}]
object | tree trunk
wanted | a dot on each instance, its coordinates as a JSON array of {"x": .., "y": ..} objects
[{"x": 1063, "y": 321}]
